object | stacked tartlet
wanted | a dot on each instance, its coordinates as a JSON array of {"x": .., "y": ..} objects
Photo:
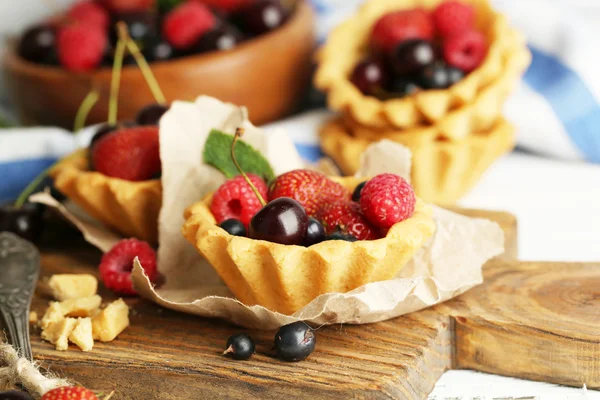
[{"x": 431, "y": 75}]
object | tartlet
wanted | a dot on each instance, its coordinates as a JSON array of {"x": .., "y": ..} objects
[
  {"x": 346, "y": 46},
  {"x": 442, "y": 170},
  {"x": 285, "y": 278},
  {"x": 130, "y": 208}
]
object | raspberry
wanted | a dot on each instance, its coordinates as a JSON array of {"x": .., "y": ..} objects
[
  {"x": 127, "y": 6},
  {"x": 393, "y": 28},
  {"x": 130, "y": 153},
  {"x": 453, "y": 17},
  {"x": 346, "y": 217},
  {"x": 116, "y": 265},
  {"x": 186, "y": 24},
  {"x": 465, "y": 51},
  {"x": 309, "y": 188},
  {"x": 69, "y": 393},
  {"x": 81, "y": 47},
  {"x": 235, "y": 199},
  {"x": 89, "y": 13},
  {"x": 387, "y": 199}
]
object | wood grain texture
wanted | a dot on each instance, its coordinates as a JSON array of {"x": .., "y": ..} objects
[
  {"x": 168, "y": 355},
  {"x": 538, "y": 321}
]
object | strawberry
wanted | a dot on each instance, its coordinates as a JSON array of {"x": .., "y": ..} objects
[
  {"x": 396, "y": 27},
  {"x": 346, "y": 217},
  {"x": 453, "y": 17},
  {"x": 70, "y": 393},
  {"x": 127, "y": 6},
  {"x": 128, "y": 153},
  {"x": 309, "y": 188}
]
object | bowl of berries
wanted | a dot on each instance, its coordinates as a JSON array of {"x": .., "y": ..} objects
[{"x": 221, "y": 48}]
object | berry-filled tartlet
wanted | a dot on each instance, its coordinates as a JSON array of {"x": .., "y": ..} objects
[
  {"x": 400, "y": 65},
  {"x": 281, "y": 241}
]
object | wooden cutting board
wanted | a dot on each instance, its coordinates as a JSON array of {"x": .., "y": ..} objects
[{"x": 539, "y": 321}]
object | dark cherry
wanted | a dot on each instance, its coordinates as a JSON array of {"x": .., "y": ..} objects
[
  {"x": 240, "y": 347},
  {"x": 26, "y": 221},
  {"x": 435, "y": 76},
  {"x": 37, "y": 45},
  {"x": 142, "y": 26},
  {"x": 369, "y": 76},
  {"x": 315, "y": 233},
  {"x": 283, "y": 221},
  {"x": 295, "y": 341},
  {"x": 341, "y": 236},
  {"x": 261, "y": 17},
  {"x": 234, "y": 227},
  {"x": 151, "y": 114},
  {"x": 357, "y": 190},
  {"x": 403, "y": 86},
  {"x": 15, "y": 395},
  {"x": 455, "y": 75},
  {"x": 411, "y": 56},
  {"x": 158, "y": 50},
  {"x": 223, "y": 37}
]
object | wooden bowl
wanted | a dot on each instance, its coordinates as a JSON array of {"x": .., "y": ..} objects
[{"x": 267, "y": 74}]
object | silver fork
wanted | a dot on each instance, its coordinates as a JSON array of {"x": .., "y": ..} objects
[{"x": 19, "y": 271}]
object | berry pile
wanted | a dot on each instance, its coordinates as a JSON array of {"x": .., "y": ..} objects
[
  {"x": 85, "y": 37},
  {"x": 305, "y": 208},
  {"x": 416, "y": 49}
]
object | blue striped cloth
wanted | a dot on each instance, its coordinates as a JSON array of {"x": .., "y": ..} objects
[{"x": 556, "y": 110}]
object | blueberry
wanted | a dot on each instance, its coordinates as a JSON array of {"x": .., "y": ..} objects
[
  {"x": 435, "y": 76},
  {"x": 295, "y": 342},
  {"x": 341, "y": 236},
  {"x": 234, "y": 227},
  {"x": 240, "y": 346},
  {"x": 357, "y": 191},
  {"x": 455, "y": 75},
  {"x": 315, "y": 233}
]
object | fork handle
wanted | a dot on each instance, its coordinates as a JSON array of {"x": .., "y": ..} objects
[{"x": 17, "y": 324}]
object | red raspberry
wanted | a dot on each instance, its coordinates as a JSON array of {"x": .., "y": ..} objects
[
  {"x": 465, "y": 51},
  {"x": 226, "y": 5},
  {"x": 131, "y": 153},
  {"x": 309, "y": 188},
  {"x": 127, "y": 6},
  {"x": 398, "y": 26},
  {"x": 186, "y": 24},
  {"x": 81, "y": 47},
  {"x": 89, "y": 13},
  {"x": 346, "y": 217},
  {"x": 387, "y": 199},
  {"x": 235, "y": 199},
  {"x": 453, "y": 17},
  {"x": 116, "y": 265},
  {"x": 70, "y": 393}
]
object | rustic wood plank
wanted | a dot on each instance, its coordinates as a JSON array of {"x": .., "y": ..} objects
[{"x": 533, "y": 320}]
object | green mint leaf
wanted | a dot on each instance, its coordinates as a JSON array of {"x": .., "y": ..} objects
[{"x": 217, "y": 152}]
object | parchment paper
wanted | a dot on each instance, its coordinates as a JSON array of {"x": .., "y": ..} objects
[{"x": 448, "y": 265}]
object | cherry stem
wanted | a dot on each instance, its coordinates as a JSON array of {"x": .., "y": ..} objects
[
  {"x": 142, "y": 63},
  {"x": 84, "y": 109},
  {"x": 113, "y": 102},
  {"x": 238, "y": 134}
]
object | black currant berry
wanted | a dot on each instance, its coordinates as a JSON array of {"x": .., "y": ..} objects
[
  {"x": 37, "y": 45},
  {"x": 158, "y": 50},
  {"x": 403, "y": 86},
  {"x": 224, "y": 37},
  {"x": 357, "y": 191},
  {"x": 455, "y": 75},
  {"x": 315, "y": 233},
  {"x": 369, "y": 77},
  {"x": 26, "y": 221},
  {"x": 234, "y": 227},
  {"x": 341, "y": 236},
  {"x": 435, "y": 76},
  {"x": 240, "y": 346},
  {"x": 411, "y": 56},
  {"x": 151, "y": 114},
  {"x": 295, "y": 341}
]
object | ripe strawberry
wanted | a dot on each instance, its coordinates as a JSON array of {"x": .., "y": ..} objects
[
  {"x": 89, "y": 13},
  {"x": 387, "y": 199},
  {"x": 453, "y": 17},
  {"x": 128, "y": 153},
  {"x": 116, "y": 265},
  {"x": 70, "y": 393},
  {"x": 346, "y": 217},
  {"x": 186, "y": 24},
  {"x": 393, "y": 28},
  {"x": 465, "y": 51},
  {"x": 235, "y": 199},
  {"x": 309, "y": 188},
  {"x": 81, "y": 47},
  {"x": 228, "y": 6},
  {"x": 127, "y": 6}
]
